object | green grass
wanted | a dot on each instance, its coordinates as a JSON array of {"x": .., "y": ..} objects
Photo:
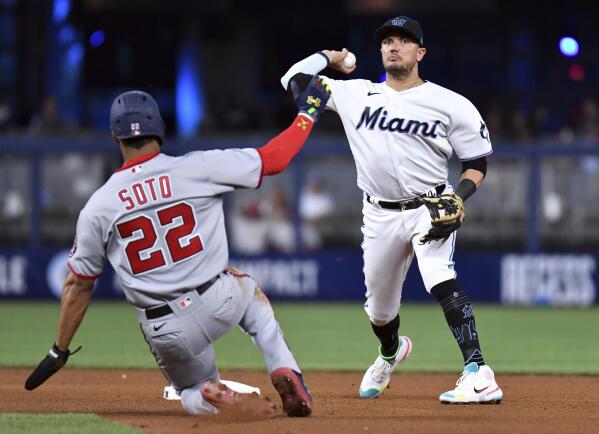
[
  {"x": 331, "y": 336},
  {"x": 65, "y": 423}
]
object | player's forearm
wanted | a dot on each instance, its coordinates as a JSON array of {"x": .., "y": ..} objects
[
  {"x": 278, "y": 153},
  {"x": 311, "y": 65},
  {"x": 76, "y": 296},
  {"x": 473, "y": 175},
  {"x": 470, "y": 181}
]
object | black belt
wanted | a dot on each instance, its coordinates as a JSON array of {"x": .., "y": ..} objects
[
  {"x": 165, "y": 309},
  {"x": 404, "y": 205}
]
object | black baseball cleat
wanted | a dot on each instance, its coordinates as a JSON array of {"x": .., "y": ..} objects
[{"x": 295, "y": 396}]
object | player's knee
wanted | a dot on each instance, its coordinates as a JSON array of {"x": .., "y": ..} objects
[
  {"x": 193, "y": 403},
  {"x": 380, "y": 314},
  {"x": 444, "y": 289},
  {"x": 381, "y": 319},
  {"x": 260, "y": 296},
  {"x": 378, "y": 322},
  {"x": 436, "y": 274}
]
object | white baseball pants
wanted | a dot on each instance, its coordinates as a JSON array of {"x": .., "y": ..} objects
[{"x": 391, "y": 238}]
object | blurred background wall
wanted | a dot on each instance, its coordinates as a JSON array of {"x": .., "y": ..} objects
[{"x": 531, "y": 68}]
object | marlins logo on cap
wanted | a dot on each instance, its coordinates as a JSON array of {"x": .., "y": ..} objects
[{"x": 402, "y": 24}]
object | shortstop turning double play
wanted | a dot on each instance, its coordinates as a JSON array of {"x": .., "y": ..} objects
[{"x": 402, "y": 133}]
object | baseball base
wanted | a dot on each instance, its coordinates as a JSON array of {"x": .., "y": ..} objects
[{"x": 170, "y": 394}]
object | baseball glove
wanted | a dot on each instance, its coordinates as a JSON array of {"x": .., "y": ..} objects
[{"x": 446, "y": 216}]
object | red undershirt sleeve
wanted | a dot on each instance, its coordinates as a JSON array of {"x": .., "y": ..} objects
[{"x": 278, "y": 152}]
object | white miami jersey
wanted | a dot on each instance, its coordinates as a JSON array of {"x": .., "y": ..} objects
[
  {"x": 402, "y": 141},
  {"x": 159, "y": 221}
]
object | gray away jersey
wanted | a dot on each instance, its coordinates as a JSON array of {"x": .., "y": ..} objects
[{"x": 159, "y": 220}]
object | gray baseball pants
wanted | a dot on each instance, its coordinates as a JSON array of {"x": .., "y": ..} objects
[{"x": 182, "y": 341}]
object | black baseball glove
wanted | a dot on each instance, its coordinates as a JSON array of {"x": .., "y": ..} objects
[
  {"x": 446, "y": 216},
  {"x": 313, "y": 99},
  {"x": 55, "y": 360}
]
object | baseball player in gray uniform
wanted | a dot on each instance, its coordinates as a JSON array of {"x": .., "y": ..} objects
[
  {"x": 159, "y": 221},
  {"x": 402, "y": 133}
]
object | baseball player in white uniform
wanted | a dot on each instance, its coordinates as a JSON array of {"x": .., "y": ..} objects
[
  {"x": 402, "y": 133},
  {"x": 159, "y": 221}
]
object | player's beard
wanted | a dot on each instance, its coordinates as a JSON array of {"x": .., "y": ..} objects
[{"x": 399, "y": 72}]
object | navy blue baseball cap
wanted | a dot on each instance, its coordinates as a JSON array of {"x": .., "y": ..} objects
[
  {"x": 136, "y": 114},
  {"x": 401, "y": 24}
]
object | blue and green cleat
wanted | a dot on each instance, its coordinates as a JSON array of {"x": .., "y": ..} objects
[{"x": 377, "y": 377}]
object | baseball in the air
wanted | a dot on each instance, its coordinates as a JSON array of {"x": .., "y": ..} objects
[{"x": 349, "y": 60}]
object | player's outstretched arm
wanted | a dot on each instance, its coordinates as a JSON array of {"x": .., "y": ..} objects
[
  {"x": 315, "y": 63},
  {"x": 311, "y": 103},
  {"x": 76, "y": 296}
]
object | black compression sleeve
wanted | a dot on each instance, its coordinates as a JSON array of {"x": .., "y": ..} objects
[
  {"x": 466, "y": 188},
  {"x": 479, "y": 164}
]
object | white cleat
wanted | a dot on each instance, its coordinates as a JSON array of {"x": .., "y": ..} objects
[
  {"x": 377, "y": 377},
  {"x": 476, "y": 386}
]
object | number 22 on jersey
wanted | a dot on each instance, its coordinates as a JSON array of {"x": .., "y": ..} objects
[{"x": 173, "y": 237}]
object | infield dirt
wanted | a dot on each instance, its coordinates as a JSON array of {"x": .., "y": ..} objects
[{"x": 532, "y": 404}]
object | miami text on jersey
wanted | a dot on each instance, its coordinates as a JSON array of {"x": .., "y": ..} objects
[
  {"x": 148, "y": 190},
  {"x": 400, "y": 125}
]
